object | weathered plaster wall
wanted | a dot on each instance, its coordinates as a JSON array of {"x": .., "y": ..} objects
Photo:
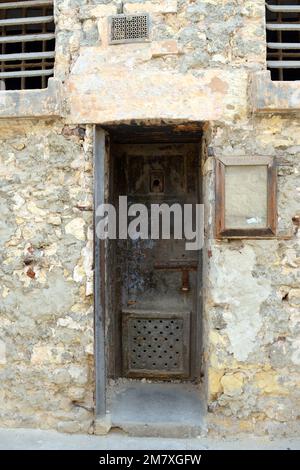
[
  {"x": 252, "y": 296},
  {"x": 46, "y": 321},
  {"x": 201, "y": 34},
  {"x": 198, "y": 66},
  {"x": 33, "y": 103}
]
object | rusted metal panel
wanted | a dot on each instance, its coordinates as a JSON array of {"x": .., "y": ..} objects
[
  {"x": 165, "y": 132},
  {"x": 25, "y": 4},
  {"x": 156, "y": 344},
  {"x": 156, "y": 279},
  {"x": 183, "y": 268}
]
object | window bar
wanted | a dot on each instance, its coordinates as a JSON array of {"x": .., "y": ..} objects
[
  {"x": 44, "y": 30},
  {"x": 279, "y": 20},
  {"x": 27, "y": 38},
  {"x": 298, "y": 33},
  {"x": 27, "y": 33},
  {"x": 3, "y": 15},
  {"x": 283, "y": 51},
  {"x": 26, "y": 73},
  {"x": 23, "y": 63}
]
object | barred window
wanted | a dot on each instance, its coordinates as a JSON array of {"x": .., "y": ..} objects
[
  {"x": 27, "y": 44},
  {"x": 283, "y": 39}
]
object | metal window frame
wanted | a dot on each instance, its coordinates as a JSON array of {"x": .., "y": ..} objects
[
  {"x": 31, "y": 64},
  {"x": 280, "y": 53}
]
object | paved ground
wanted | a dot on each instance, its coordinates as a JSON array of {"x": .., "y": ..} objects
[{"x": 29, "y": 439}]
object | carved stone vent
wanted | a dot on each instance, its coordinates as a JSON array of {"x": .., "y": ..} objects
[
  {"x": 156, "y": 347},
  {"x": 129, "y": 28}
]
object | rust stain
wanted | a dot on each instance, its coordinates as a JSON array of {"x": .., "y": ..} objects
[
  {"x": 30, "y": 273},
  {"x": 77, "y": 131},
  {"x": 218, "y": 86},
  {"x": 188, "y": 126},
  {"x": 281, "y": 338}
]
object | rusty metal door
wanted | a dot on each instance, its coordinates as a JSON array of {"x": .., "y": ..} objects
[{"x": 159, "y": 319}]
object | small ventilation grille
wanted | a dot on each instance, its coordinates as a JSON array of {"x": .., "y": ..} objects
[
  {"x": 283, "y": 39},
  {"x": 156, "y": 347},
  {"x": 27, "y": 43},
  {"x": 129, "y": 28}
]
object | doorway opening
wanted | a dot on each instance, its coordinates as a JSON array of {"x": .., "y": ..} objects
[{"x": 152, "y": 294}]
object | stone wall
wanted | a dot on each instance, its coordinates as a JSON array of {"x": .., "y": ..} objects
[
  {"x": 252, "y": 297},
  {"x": 198, "y": 66},
  {"x": 46, "y": 346},
  {"x": 199, "y": 34}
]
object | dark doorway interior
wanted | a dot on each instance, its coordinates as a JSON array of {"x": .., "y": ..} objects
[{"x": 153, "y": 294}]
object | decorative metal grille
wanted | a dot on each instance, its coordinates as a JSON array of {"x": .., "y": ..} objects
[
  {"x": 283, "y": 39},
  {"x": 27, "y": 43},
  {"x": 129, "y": 28},
  {"x": 156, "y": 347}
]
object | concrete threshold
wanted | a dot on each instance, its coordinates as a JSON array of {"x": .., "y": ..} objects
[{"x": 158, "y": 410}]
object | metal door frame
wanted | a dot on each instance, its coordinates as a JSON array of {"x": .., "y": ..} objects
[
  {"x": 101, "y": 181},
  {"x": 100, "y": 168}
]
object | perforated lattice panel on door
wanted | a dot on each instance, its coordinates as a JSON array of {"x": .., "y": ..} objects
[
  {"x": 156, "y": 346},
  {"x": 129, "y": 28}
]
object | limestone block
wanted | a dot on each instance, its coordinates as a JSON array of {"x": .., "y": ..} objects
[
  {"x": 155, "y": 6},
  {"x": 214, "y": 382},
  {"x": 68, "y": 322},
  {"x": 19, "y": 146},
  {"x": 268, "y": 96},
  {"x": 97, "y": 11},
  {"x": 96, "y": 93},
  {"x": 167, "y": 47},
  {"x": 35, "y": 210},
  {"x": 232, "y": 384},
  {"x": 294, "y": 296},
  {"x": 33, "y": 103},
  {"x": 78, "y": 374},
  {"x": 102, "y": 425},
  {"x": 76, "y": 228},
  {"x": 267, "y": 382},
  {"x": 2, "y": 353},
  {"x": 54, "y": 219},
  {"x": 70, "y": 427},
  {"x": 47, "y": 354},
  {"x": 296, "y": 352}
]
